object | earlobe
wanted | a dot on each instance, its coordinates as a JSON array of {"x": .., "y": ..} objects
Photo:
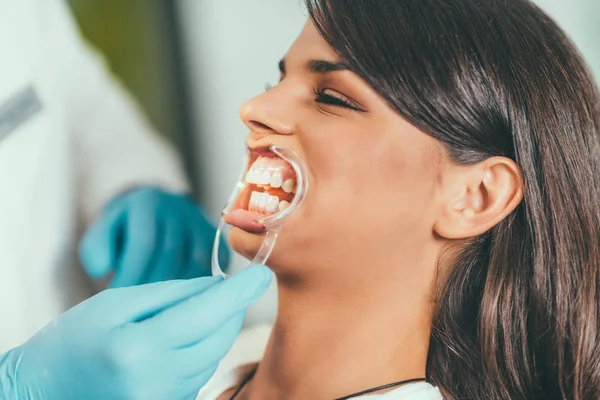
[{"x": 488, "y": 193}]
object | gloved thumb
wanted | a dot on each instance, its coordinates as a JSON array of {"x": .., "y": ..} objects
[{"x": 99, "y": 247}]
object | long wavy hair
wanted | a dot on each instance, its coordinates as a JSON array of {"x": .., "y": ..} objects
[{"x": 518, "y": 314}]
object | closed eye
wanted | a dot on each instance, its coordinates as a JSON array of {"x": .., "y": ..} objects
[{"x": 333, "y": 98}]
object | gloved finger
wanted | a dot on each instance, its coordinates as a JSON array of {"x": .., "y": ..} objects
[
  {"x": 200, "y": 356},
  {"x": 135, "y": 304},
  {"x": 195, "y": 319},
  {"x": 170, "y": 253},
  {"x": 99, "y": 247},
  {"x": 142, "y": 233}
]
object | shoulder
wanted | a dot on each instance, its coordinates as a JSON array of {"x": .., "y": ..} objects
[{"x": 243, "y": 356}]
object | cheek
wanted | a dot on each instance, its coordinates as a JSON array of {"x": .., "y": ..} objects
[
  {"x": 360, "y": 202},
  {"x": 375, "y": 194}
]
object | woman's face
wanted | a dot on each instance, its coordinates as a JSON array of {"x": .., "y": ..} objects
[{"x": 373, "y": 177}]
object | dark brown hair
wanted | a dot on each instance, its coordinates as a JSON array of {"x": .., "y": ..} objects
[{"x": 519, "y": 314}]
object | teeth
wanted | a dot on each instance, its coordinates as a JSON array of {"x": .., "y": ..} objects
[
  {"x": 262, "y": 175},
  {"x": 259, "y": 176},
  {"x": 249, "y": 177},
  {"x": 276, "y": 179},
  {"x": 264, "y": 200},
  {"x": 266, "y": 173},
  {"x": 289, "y": 186},
  {"x": 266, "y": 204},
  {"x": 284, "y": 205},
  {"x": 253, "y": 201},
  {"x": 273, "y": 204},
  {"x": 265, "y": 177},
  {"x": 270, "y": 172}
]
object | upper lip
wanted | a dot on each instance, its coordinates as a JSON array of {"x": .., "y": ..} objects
[
  {"x": 258, "y": 146},
  {"x": 259, "y": 150},
  {"x": 264, "y": 144}
]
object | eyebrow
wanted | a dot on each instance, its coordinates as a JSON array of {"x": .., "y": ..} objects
[{"x": 319, "y": 66}]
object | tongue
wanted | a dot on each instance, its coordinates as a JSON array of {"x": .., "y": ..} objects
[{"x": 245, "y": 220}]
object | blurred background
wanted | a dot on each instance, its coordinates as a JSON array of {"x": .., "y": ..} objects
[{"x": 192, "y": 63}]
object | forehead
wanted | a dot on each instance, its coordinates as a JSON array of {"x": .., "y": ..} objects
[{"x": 309, "y": 45}]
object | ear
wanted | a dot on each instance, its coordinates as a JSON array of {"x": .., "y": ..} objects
[{"x": 481, "y": 196}]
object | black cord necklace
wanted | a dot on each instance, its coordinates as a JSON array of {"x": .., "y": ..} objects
[{"x": 373, "y": 390}]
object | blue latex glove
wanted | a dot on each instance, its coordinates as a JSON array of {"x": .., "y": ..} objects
[
  {"x": 154, "y": 342},
  {"x": 147, "y": 236}
]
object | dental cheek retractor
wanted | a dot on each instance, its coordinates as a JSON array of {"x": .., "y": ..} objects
[{"x": 272, "y": 223}]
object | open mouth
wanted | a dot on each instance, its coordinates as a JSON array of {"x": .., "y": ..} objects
[{"x": 269, "y": 188}]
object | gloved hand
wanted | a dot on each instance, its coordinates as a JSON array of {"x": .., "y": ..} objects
[
  {"x": 154, "y": 342},
  {"x": 147, "y": 236}
]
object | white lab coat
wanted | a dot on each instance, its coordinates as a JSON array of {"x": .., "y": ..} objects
[{"x": 68, "y": 144}]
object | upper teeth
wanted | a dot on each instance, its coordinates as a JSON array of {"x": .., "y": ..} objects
[
  {"x": 289, "y": 186},
  {"x": 270, "y": 172},
  {"x": 276, "y": 179}
]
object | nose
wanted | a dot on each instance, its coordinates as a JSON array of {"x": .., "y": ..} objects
[{"x": 267, "y": 114}]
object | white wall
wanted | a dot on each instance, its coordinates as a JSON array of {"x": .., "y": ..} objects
[
  {"x": 233, "y": 48},
  {"x": 581, "y": 20}
]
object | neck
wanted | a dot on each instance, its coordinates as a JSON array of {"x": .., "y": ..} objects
[{"x": 332, "y": 340}]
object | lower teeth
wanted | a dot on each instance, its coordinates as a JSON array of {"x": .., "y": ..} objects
[
  {"x": 283, "y": 206},
  {"x": 266, "y": 204}
]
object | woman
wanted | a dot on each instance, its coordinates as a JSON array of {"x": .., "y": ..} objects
[{"x": 452, "y": 228}]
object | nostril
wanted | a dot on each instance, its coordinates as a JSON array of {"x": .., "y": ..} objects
[{"x": 259, "y": 126}]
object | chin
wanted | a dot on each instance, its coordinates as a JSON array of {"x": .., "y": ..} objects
[
  {"x": 247, "y": 244},
  {"x": 286, "y": 258}
]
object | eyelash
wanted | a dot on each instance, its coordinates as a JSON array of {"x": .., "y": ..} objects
[
  {"x": 324, "y": 98},
  {"x": 341, "y": 101}
]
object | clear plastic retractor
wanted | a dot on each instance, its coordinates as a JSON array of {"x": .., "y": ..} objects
[{"x": 272, "y": 223}]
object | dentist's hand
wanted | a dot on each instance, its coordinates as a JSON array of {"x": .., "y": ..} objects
[
  {"x": 149, "y": 235},
  {"x": 154, "y": 342}
]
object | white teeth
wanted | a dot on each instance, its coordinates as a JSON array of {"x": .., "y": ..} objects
[
  {"x": 264, "y": 178},
  {"x": 266, "y": 173},
  {"x": 269, "y": 172},
  {"x": 253, "y": 176},
  {"x": 273, "y": 204},
  {"x": 289, "y": 186},
  {"x": 276, "y": 179},
  {"x": 264, "y": 200},
  {"x": 260, "y": 175},
  {"x": 266, "y": 204},
  {"x": 284, "y": 205},
  {"x": 253, "y": 201}
]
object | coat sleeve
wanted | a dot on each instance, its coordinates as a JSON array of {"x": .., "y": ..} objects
[{"x": 115, "y": 148}]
